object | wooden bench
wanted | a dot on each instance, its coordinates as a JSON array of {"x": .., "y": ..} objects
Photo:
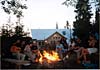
[{"x": 17, "y": 62}]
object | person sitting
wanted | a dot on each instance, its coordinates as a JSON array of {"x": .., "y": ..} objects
[
  {"x": 34, "y": 47},
  {"x": 64, "y": 43},
  {"x": 71, "y": 44},
  {"x": 15, "y": 50},
  {"x": 59, "y": 49},
  {"x": 77, "y": 47},
  {"x": 90, "y": 49},
  {"x": 28, "y": 51},
  {"x": 35, "y": 50}
]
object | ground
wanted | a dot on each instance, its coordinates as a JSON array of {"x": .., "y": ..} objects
[{"x": 70, "y": 63}]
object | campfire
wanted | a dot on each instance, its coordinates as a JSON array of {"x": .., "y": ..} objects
[{"x": 49, "y": 57}]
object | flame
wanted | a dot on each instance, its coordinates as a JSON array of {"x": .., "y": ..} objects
[{"x": 49, "y": 57}]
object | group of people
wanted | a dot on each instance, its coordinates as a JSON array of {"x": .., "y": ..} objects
[
  {"x": 77, "y": 46},
  {"x": 21, "y": 49}
]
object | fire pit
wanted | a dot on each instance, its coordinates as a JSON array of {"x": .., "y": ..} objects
[
  {"x": 48, "y": 59},
  {"x": 51, "y": 60}
]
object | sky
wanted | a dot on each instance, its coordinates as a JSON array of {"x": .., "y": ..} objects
[
  {"x": 43, "y": 14},
  {"x": 46, "y": 13}
]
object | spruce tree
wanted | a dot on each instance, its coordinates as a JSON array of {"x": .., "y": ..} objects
[
  {"x": 82, "y": 24},
  {"x": 96, "y": 25}
]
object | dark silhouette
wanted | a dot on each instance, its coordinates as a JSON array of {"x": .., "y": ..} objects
[{"x": 82, "y": 26}]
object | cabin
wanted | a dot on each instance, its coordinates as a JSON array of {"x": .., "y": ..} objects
[{"x": 50, "y": 36}]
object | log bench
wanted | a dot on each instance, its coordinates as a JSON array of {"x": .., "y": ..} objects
[{"x": 18, "y": 63}]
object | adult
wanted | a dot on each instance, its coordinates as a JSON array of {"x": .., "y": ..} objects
[
  {"x": 28, "y": 51},
  {"x": 91, "y": 47},
  {"x": 71, "y": 44},
  {"x": 64, "y": 42},
  {"x": 34, "y": 47},
  {"x": 59, "y": 49},
  {"x": 65, "y": 46},
  {"x": 15, "y": 50},
  {"x": 35, "y": 51},
  {"x": 77, "y": 47}
]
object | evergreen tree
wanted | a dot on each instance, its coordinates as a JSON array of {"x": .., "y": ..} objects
[
  {"x": 14, "y": 7},
  {"x": 8, "y": 36},
  {"x": 96, "y": 25},
  {"x": 82, "y": 24}
]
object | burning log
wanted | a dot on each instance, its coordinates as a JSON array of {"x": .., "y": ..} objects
[
  {"x": 49, "y": 57},
  {"x": 52, "y": 61}
]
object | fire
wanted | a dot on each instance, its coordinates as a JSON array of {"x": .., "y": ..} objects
[{"x": 49, "y": 57}]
